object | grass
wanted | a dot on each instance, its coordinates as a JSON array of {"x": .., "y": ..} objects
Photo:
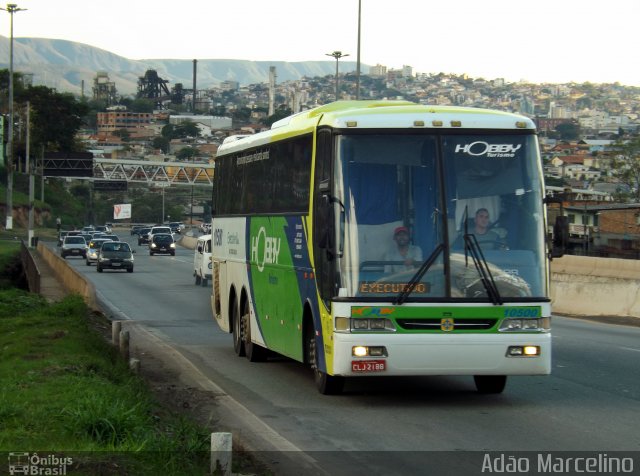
[{"x": 65, "y": 391}]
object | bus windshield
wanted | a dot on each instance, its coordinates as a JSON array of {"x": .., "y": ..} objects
[{"x": 446, "y": 198}]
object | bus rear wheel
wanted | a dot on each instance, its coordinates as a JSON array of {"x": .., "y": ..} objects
[
  {"x": 326, "y": 384},
  {"x": 253, "y": 352},
  {"x": 238, "y": 342},
  {"x": 488, "y": 384}
]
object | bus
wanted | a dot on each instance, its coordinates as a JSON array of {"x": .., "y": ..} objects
[{"x": 306, "y": 226}]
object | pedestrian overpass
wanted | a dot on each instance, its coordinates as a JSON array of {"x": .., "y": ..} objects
[{"x": 153, "y": 173}]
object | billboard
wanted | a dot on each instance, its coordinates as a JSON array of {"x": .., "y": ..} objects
[{"x": 122, "y": 211}]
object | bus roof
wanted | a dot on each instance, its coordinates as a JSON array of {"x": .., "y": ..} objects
[{"x": 381, "y": 114}]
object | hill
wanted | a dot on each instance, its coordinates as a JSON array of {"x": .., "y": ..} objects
[{"x": 63, "y": 65}]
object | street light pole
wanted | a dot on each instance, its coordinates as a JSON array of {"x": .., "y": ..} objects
[
  {"x": 337, "y": 55},
  {"x": 358, "y": 59},
  {"x": 11, "y": 8}
]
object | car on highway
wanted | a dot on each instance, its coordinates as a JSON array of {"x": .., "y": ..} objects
[
  {"x": 176, "y": 226},
  {"x": 73, "y": 246},
  {"x": 61, "y": 236},
  {"x": 162, "y": 243},
  {"x": 103, "y": 228},
  {"x": 115, "y": 255},
  {"x": 158, "y": 229},
  {"x": 202, "y": 265},
  {"x": 93, "y": 248},
  {"x": 135, "y": 229},
  {"x": 143, "y": 235}
]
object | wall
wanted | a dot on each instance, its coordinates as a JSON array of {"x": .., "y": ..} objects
[
  {"x": 582, "y": 285},
  {"x": 72, "y": 280}
]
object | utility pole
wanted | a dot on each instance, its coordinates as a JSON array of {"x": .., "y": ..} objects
[
  {"x": 358, "y": 59},
  {"x": 11, "y": 8}
]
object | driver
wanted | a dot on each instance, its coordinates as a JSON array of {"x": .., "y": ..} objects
[
  {"x": 403, "y": 251},
  {"x": 486, "y": 237}
]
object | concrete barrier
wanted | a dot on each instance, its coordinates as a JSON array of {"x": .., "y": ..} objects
[
  {"x": 189, "y": 241},
  {"x": 72, "y": 280},
  {"x": 586, "y": 286}
]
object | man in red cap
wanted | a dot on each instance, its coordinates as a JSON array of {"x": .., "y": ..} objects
[{"x": 404, "y": 251}]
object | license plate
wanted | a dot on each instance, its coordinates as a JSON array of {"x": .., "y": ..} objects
[
  {"x": 368, "y": 365},
  {"x": 75, "y": 251},
  {"x": 116, "y": 264}
]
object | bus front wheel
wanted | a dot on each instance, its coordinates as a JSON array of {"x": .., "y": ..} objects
[
  {"x": 326, "y": 384},
  {"x": 490, "y": 383}
]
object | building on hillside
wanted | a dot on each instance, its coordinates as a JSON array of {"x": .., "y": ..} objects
[
  {"x": 213, "y": 122},
  {"x": 132, "y": 122}
]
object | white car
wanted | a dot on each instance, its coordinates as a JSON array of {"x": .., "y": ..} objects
[
  {"x": 159, "y": 229},
  {"x": 202, "y": 265},
  {"x": 74, "y": 246}
]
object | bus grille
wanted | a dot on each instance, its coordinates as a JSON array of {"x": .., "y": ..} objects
[{"x": 434, "y": 324}]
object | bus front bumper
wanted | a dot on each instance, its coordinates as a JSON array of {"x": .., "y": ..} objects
[{"x": 438, "y": 354}]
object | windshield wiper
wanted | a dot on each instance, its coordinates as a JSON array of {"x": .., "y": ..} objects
[
  {"x": 479, "y": 261},
  {"x": 416, "y": 277}
]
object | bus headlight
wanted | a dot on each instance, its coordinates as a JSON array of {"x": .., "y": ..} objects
[
  {"x": 542, "y": 324},
  {"x": 352, "y": 324}
]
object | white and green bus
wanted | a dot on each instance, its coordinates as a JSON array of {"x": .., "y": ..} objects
[{"x": 308, "y": 262}]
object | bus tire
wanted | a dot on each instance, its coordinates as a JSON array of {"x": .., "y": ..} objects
[
  {"x": 197, "y": 279},
  {"x": 326, "y": 384},
  {"x": 253, "y": 352},
  {"x": 487, "y": 384},
  {"x": 238, "y": 338}
]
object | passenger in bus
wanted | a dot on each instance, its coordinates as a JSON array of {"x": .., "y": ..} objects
[{"x": 402, "y": 250}]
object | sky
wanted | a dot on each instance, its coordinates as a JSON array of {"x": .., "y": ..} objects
[{"x": 554, "y": 41}]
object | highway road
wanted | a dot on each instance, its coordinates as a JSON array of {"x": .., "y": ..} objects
[{"x": 591, "y": 402}]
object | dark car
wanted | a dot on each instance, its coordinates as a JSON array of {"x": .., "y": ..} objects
[
  {"x": 143, "y": 235},
  {"x": 115, "y": 255},
  {"x": 162, "y": 243},
  {"x": 176, "y": 226}
]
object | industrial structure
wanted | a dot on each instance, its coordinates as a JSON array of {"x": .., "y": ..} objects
[
  {"x": 153, "y": 87},
  {"x": 104, "y": 89}
]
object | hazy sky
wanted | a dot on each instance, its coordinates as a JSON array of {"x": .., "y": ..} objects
[{"x": 539, "y": 41}]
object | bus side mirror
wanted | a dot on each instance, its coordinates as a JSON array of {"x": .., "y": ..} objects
[
  {"x": 323, "y": 230},
  {"x": 560, "y": 237}
]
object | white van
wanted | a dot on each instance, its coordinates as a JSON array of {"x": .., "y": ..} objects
[{"x": 202, "y": 260}]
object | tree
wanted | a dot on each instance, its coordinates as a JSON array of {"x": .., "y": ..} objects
[
  {"x": 180, "y": 131},
  {"x": 626, "y": 166},
  {"x": 280, "y": 113},
  {"x": 186, "y": 153},
  {"x": 161, "y": 143},
  {"x": 55, "y": 118},
  {"x": 568, "y": 130}
]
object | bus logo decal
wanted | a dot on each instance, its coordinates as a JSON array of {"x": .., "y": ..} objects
[
  {"x": 490, "y": 150},
  {"x": 446, "y": 324},
  {"x": 270, "y": 249}
]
